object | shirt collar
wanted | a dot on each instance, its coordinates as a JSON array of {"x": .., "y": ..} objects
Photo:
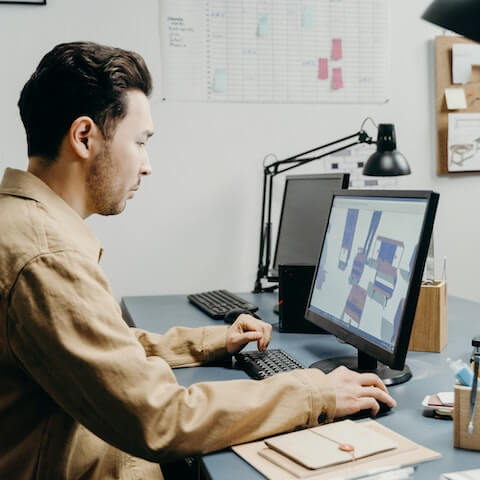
[{"x": 24, "y": 184}]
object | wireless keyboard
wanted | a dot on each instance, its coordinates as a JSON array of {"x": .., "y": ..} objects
[
  {"x": 259, "y": 365},
  {"x": 217, "y": 303}
]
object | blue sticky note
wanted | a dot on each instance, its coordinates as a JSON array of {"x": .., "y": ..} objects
[
  {"x": 307, "y": 17},
  {"x": 263, "y": 27},
  {"x": 220, "y": 80}
]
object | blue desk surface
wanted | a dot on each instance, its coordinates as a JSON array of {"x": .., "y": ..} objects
[{"x": 430, "y": 374}]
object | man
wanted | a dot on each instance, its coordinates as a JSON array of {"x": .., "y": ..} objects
[{"x": 82, "y": 396}]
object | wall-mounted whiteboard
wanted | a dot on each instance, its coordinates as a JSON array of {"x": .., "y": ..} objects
[{"x": 275, "y": 51}]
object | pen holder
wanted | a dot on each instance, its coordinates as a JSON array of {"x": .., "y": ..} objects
[
  {"x": 429, "y": 332},
  {"x": 461, "y": 418}
]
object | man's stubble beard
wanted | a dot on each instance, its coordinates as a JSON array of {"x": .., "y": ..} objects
[{"x": 101, "y": 185}]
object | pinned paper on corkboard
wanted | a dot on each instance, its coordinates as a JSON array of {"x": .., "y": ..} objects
[{"x": 457, "y": 60}]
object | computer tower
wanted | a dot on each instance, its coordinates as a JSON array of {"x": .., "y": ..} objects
[{"x": 293, "y": 290}]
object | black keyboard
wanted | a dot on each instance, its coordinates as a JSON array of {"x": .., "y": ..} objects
[
  {"x": 259, "y": 365},
  {"x": 217, "y": 303}
]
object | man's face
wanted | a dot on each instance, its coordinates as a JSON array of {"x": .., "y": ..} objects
[{"x": 115, "y": 173}]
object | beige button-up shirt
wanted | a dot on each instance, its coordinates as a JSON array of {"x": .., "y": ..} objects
[{"x": 82, "y": 396}]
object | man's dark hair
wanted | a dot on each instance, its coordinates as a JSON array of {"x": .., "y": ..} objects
[{"x": 75, "y": 79}]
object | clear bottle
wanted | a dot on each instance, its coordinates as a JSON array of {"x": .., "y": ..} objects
[{"x": 462, "y": 371}]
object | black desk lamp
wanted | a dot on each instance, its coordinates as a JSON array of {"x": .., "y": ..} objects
[
  {"x": 386, "y": 161},
  {"x": 460, "y": 16}
]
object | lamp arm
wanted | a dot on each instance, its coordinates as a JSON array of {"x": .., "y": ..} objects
[
  {"x": 263, "y": 233},
  {"x": 304, "y": 161},
  {"x": 273, "y": 170},
  {"x": 268, "y": 236},
  {"x": 362, "y": 136}
]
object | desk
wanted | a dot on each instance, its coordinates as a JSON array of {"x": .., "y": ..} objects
[{"x": 430, "y": 374}]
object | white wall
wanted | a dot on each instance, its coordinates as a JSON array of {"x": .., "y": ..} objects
[{"x": 194, "y": 224}]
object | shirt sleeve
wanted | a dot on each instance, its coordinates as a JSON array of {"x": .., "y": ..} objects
[
  {"x": 65, "y": 328},
  {"x": 185, "y": 347}
]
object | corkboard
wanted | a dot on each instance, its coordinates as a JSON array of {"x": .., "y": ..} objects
[{"x": 443, "y": 57}]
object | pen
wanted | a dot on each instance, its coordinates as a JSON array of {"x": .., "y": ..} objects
[
  {"x": 392, "y": 472},
  {"x": 473, "y": 392}
]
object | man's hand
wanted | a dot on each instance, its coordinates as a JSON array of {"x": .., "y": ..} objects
[
  {"x": 358, "y": 391},
  {"x": 247, "y": 329}
]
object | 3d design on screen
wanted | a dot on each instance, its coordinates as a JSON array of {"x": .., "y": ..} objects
[
  {"x": 362, "y": 255},
  {"x": 370, "y": 253},
  {"x": 347, "y": 241},
  {"x": 387, "y": 256}
]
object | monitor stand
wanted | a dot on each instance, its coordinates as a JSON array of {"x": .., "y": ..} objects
[{"x": 364, "y": 363}]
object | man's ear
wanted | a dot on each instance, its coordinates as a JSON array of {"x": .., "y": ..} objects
[{"x": 84, "y": 136}]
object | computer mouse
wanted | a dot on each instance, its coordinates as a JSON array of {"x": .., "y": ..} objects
[
  {"x": 384, "y": 410},
  {"x": 232, "y": 315}
]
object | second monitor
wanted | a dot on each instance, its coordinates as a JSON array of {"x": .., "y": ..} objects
[{"x": 303, "y": 218}]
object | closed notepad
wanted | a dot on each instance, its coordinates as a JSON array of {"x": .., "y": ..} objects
[{"x": 319, "y": 447}]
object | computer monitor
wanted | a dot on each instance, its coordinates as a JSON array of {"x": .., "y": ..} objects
[
  {"x": 368, "y": 276},
  {"x": 303, "y": 218}
]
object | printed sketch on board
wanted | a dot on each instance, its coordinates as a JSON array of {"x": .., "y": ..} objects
[{"x": 463, "y": 142}]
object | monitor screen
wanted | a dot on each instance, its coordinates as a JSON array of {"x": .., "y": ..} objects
[
  {"x": 369, "y": 270},
  {"x": 303, "y": 218}
]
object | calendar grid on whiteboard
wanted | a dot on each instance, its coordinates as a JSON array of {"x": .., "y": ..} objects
[{"x": 275, "y": 51}]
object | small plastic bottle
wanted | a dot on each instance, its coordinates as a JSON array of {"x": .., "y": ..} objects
[{"x": 462, "y": 371}]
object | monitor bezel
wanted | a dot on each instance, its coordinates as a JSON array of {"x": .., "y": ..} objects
[
  {"x": 345, "y": 180},
  {"x": 395, "y": 359}
]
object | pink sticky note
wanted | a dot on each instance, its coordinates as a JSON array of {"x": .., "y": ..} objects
[
  {"x": 337, "y": 78},
  {"x": 337, "y": 49},
  {"x": 322, "y": 68}
]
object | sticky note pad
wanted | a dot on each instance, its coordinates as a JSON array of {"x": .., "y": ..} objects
[
  {"x": 337, "y": 49},
  {"x": 322, "y": 68},
  {"x": 220, "y": 80},
  {"x": 263, "y": 27},
  {"x": 307, "y": 17},
  {"x": 337, "y": 78},
  {"x": 455, "y": 98}
]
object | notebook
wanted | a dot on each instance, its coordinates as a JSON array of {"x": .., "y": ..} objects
[
  {"x": 275, "y": 465},
  {"x": 331, "y": 444}
]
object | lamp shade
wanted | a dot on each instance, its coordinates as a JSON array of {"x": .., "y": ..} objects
[
  {"x": 460, "y": 16},
  {"x": 387, "y": 161}
]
